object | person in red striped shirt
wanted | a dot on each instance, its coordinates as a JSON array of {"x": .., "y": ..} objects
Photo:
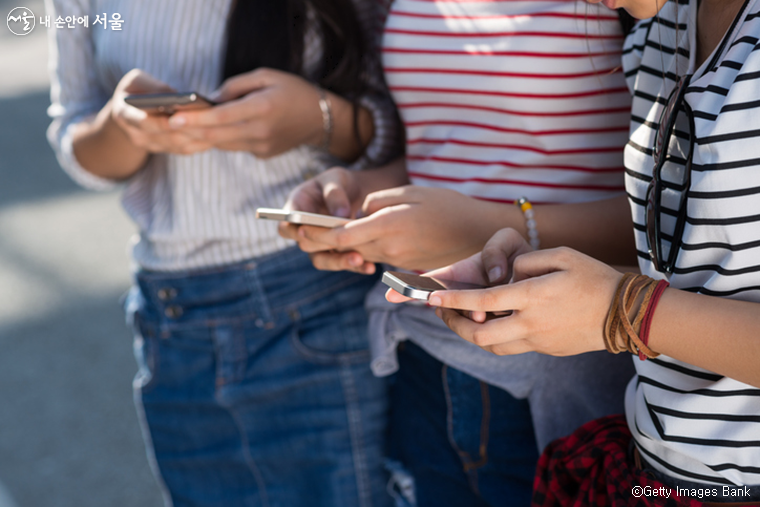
[
  {"x": 691, "y": 424},
  {"x": 501, "y": 100}
]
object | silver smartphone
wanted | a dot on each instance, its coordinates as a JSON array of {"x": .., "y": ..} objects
[
  {"x": 169, "y": 103},
  {"x": 420, "y": 287},
  {"x": 301, "y": 217}
]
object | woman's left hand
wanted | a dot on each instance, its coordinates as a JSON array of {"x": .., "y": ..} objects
[
  {"x": 559, "y": 298},
  {"x": 266, "y": 112}
]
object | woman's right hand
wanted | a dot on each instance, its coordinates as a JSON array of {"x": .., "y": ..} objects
[
  {"x": 150, "y": 132},
  {"x": 491, "y": 267},
  {"x": 335, "y": 192},
  {"x": 557, "y": 299}
]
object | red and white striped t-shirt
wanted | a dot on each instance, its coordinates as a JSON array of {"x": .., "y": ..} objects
[{"x": 504, "y": 99}]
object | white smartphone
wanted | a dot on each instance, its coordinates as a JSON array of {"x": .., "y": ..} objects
[
  {"x": 300, "y": 217},
  {"x": 420, "y": 287}
]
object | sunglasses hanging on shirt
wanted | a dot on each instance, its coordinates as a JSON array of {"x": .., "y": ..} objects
[{"x": 668, "y": 191}]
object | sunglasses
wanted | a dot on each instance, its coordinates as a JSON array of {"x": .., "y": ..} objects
[{"x": 667, "y": 193}]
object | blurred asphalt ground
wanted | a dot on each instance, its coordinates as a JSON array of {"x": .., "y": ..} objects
[{"x": 69, "y": 435}]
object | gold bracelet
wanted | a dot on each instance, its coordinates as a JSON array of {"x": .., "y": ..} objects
[{"x": 327, "y": 119}]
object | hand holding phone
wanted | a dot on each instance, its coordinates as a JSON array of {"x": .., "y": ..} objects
[
  {"x": 151, "y": 133},
  {"x": 492, "y": 269},
  {"x": 266, "y": 112}
]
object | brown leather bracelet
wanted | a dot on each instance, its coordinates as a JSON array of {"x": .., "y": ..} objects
[{"x": 620, "y": 333}]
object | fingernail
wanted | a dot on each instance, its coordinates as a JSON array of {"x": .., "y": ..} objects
[
  {"x": 177, "y": 121},
  {"x": 494, "y": 274},
  {"x": 355, "y": 261},
  {"x": 342, "y": 212},
  {"x": 435, "y": 301},
  {"x": 359, "y": 214}
]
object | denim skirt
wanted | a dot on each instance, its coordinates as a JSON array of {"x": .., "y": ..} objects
[{"x": 254, "y": 386}]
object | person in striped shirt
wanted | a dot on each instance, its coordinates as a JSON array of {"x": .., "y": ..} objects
[
  {"x": 693, "y": 181},
  {"x": 254, "y": 385},
  {"x": 500, "y": 100}
]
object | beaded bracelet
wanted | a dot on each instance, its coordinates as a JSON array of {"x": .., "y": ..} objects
[
  {"x": 327, "y": 119},
  {"x": 530, "y": 222}
]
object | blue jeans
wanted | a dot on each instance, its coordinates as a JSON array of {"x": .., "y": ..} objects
[
  {"x": 254, "y": 387},
  {"x": 464, "y": 442}
]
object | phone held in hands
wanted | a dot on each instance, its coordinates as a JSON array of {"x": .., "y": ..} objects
[
  {"x": 301, "y": 217},
  {"x": 169, "y": 103},
  {"x": 420, "y": 287}
]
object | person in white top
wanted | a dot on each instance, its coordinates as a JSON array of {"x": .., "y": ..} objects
[
  {"x": 694, "y": 190},
  {"x": 254, "y": 385}
]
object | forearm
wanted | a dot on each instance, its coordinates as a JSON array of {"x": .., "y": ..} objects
[
  {"x": 602, "y": 229},
  {"x": 717, "y": 334},
  {"x": 103, "y": 148},
  {"x": 344, "y": 143},
  {"x": 388, "y": 176}
]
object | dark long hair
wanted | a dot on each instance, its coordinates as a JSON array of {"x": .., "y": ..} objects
[
  {"x": 626, "y": 21},
  {"x": 270, "y": 33}
]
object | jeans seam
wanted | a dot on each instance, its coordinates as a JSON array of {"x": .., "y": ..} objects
[
  {"x": 319, "y": 295},
  {"x": 472, "y": 478},
  {"x": 463, "y": 455},
  {"x": 317, "y": 357},
  {"x": 257, "y": 289},
  {"x": 230, "y": 363},
  {"x": 269, "y": 312},
  {"x": 249, "y": 461},
  {"x": 468, "y": 466},
  {"x": 169, "y": 327},
  {"x": 363, "y": 486},
  {"x": 485, "y": 424},
  {"x": 472, "y": 468},
  {"x": 149, "y": 448},
  {"x": 161, "y": 276},
  {"x": 153, "y": 361}
]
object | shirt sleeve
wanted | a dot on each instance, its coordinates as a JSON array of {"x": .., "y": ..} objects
[
  {"x": 75, "y": 92},
  {"x": 388, "y": 140}
]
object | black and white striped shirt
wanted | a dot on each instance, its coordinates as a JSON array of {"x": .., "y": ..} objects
[
  {"x": 688, "y": 422},
  {"x": 199, "y": 210}
]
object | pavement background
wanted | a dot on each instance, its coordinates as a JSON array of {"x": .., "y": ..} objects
[{"x": 69, "y": 435}]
